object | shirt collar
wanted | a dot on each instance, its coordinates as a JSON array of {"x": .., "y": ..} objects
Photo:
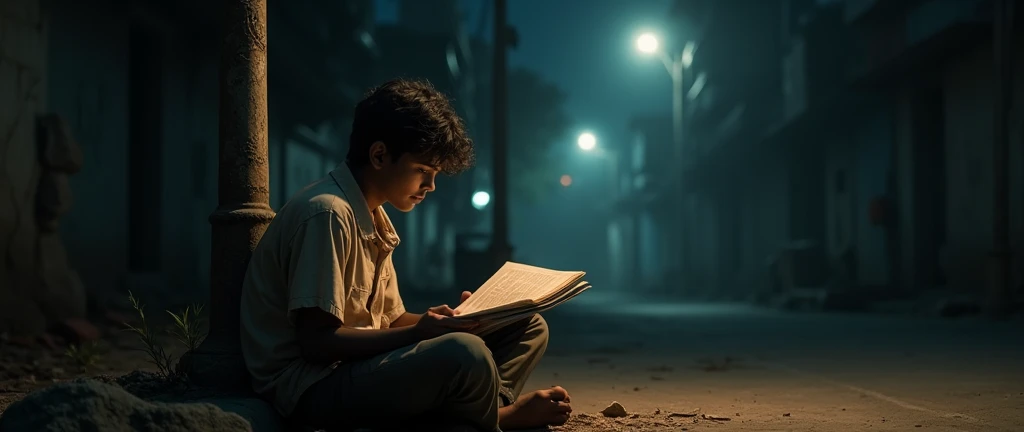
[{"x": 387, "y": 236}]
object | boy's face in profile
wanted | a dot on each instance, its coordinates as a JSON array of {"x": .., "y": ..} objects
[{"x": 405, "y": 182}]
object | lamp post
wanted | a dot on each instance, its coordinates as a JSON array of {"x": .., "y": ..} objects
[
  {"x": 675, "y": 65},
  {"x": 587, "y": 142},
  {"x": 501, "y": 249}
]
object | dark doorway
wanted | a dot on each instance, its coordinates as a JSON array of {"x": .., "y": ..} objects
[
  {"x": 144, "y": 146},
  {"x": 929, "y": 150}
]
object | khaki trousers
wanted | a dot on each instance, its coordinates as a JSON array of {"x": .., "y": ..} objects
[{"x": 455, "y": 379}]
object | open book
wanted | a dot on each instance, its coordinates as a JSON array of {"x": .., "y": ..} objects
[{"x": 517, "y": 291}]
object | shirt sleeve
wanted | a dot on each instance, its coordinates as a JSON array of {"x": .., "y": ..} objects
[
  {"x": 315, "y": 275},
  {"x": 393, "y": 305}
]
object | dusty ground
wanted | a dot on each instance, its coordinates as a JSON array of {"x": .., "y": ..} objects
[
  {"x": 774, "y": 371},
  {"x": 695, "y": 367},
  {"x": 25, "y": 367}
]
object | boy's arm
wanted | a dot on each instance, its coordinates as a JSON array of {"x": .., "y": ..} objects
[
  {"x": 323, "y": 339},
  {"x": 407, "y": 319}
]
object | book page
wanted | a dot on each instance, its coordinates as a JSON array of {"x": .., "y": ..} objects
[{"x": 513, "y": 283}]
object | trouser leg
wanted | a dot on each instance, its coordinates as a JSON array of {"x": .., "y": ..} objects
[
  {"x": 446, "y": 378},
  {"x": 517, "y": 349}
]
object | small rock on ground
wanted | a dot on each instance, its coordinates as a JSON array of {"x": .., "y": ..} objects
[{"x": 614, "y": 410}]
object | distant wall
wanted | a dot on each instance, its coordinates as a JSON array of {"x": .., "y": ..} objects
[
  {"x": 758, "y": 226},
  {"x": 91, "y": 86},
  {"x": 841, "y": 216},
  {"x": 873, "y": 143},
  {"x": 22, "y": 96},
  {"x": 969, "y": 126}
]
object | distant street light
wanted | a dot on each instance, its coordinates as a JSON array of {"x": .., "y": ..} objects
[
  {"x": 587, "y": 141},
  {"x": 481, "y": 199},
  {"x": 675, "y": 65},
  {"x": 647, "y": 43},
  {"x": 566, "y": 180}
]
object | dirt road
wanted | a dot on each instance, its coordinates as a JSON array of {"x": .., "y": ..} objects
[
  {"x": 773, "y": 371},
  {"x": 695, "y": 367}
]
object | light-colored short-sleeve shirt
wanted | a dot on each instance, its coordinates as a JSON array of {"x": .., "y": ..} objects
[{"x": 324, "y": 249}]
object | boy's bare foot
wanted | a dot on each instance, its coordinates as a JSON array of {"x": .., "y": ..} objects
[{"x": 541, "y": 408}]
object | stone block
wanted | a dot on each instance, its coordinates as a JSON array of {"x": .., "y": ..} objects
[
  {"x": 8, "y": 223},
  {"x": 76, "y": 330},
  {"x": 58, "y": 149},
  {"x": 8, "y": 93},
  {"x": 61, "y": 294},
  {"x": 68, "y": 298},
  {"x": 21, "y": 164},
  {"x": 53, "y": 199},
  {"x": 92, "y": 405},
  {"x": 259, "y": 413},
  {"x": 24, "y": 11},
  {"x": 21, "y": 252},
  {"x": 19, "y": 314},
  {"x": 24, "y": 44}
]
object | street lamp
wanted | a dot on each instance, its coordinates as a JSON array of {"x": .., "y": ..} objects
[
  {"x": 481, "y": 199},
  {"x": 587, "y": 141},
  {"x": 676, "y": 65},
  {"x": 647, "y": 43}
]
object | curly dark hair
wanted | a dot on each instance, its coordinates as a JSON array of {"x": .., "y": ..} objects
[{"x": 410, "y": 116}]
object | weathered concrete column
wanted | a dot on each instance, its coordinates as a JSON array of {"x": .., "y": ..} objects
[
  {"x": 243, "y": 210},
  {"x": 501, "y": 250},
  {"x": 1001, "y": 277}
]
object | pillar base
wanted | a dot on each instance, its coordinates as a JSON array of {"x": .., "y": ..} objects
[{"x": 217, "y": 364}]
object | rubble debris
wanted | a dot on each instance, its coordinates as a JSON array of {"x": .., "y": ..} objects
[
  {"x": 785, "y": 414},
  {"x": 715, "y": 417},
  {"x": 692, "y": 413},
  {"x": 90, "y": 404},
  {"x": 76, "y": 330},
  {"x": 614, "y": 410},
  {"x": 715, "y": 365}
]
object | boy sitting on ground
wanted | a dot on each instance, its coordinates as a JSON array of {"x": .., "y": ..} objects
[{"x": 325, "y": 334}]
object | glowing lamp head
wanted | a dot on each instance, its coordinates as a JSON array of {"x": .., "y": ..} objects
[
  {"x": 481, "y": 199},
  {"x": 647, "y": 43},
  {"x": 587, "y": 141}
]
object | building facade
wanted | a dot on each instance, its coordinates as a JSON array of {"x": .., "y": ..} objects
[
  {"x": 134, "y": 89},
  {"x": 852, "y": 149}
]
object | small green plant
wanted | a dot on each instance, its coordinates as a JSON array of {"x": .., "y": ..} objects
[
  {"x": 188, "y": 326},
  {"x": 85, "y": 355},
  {"x": 187, "y": 330},
  {"x": 157, "y": 356}
]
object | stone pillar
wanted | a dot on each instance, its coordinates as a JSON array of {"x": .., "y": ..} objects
[{"x": 243, "y": 210}]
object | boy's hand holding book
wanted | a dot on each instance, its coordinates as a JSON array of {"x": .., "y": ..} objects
[{"x": 439, "y": 320}]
